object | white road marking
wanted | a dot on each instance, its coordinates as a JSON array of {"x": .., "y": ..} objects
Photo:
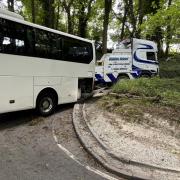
[{"x": 68, "y": 153}]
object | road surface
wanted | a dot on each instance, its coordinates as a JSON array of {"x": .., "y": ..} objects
[{"x": 28, "y": 150}]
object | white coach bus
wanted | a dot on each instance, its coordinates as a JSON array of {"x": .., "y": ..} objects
[{"x": 41, "y": 67}]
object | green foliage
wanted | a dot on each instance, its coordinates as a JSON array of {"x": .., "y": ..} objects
[
  {"x": 165, "y": 16},
  {"x": 95, "y": 24},
  {"x": 155, "y": 19},
  {"x": 27, "y": 11}
]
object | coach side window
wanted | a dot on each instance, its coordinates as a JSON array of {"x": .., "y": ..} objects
[
  {"x": 42, "y": 46},
  {"x": 30, "y": 38},
  {"x": 48, "y": 45},
  {"x": 12, "y": 37},
  {"x": 55, "y": 41},
  {"x": 77, "y": 51}
]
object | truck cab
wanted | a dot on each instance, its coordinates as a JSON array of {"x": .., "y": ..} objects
[{"x": 145, "y": 62}]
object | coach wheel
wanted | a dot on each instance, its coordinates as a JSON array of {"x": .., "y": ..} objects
[{"x": 46, "y": 104}]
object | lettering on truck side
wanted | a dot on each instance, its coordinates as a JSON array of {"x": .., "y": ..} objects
[
  {"x": 126, "y": 64},
  {"x": 117, "y": 59}
]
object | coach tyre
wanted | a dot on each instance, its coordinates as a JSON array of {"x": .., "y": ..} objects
[{"x": 46, "y": 104}]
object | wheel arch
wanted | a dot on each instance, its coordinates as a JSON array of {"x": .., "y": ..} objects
[
  {"x": 47, "y": 90},
  {"x": 123, "y": 75},
  {"x": 146, "y": 73}
]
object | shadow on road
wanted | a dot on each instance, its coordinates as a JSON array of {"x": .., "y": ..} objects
[{"x": 13, "y": 119}]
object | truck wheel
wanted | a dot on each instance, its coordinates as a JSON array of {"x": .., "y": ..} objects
[
  {"x": 46, "y": 104},
  {"x": 145, "y": 76},
  {"x": 122, "y": 78}
]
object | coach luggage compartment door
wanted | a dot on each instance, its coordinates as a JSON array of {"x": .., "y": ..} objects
[{"x": 16, "y": 93}]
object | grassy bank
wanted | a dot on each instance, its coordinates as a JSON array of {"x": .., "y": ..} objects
[
  {"x": 170, "y": 68},
  {"x": 166, "y": 91},
  {"x": 142, "y": 100}
]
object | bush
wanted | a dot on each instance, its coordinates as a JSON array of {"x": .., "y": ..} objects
[{"x": 170, "y": 68}]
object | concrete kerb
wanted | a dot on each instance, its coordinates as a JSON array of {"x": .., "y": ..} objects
[
  {"x": 114, "y": 155},
  {"x": 125, "y": 169},
  {"x": 110, "y": 168}
]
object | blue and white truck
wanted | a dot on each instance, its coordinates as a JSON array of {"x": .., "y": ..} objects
[{"x": 130, "y": 59}]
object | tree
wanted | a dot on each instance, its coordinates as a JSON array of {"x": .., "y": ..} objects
[
  {"x": 33, "y": 11},
  {"x": 67, "y": 5},
  {"x": 120, "y": 18},
  {"x": 10, "y": 5},
  {"x": 157, "y": 35},
  {"x": 85, "y": 7},
  {"x": 107, "y": 10},
  {"x": 169, "y": 34},
  {"x": 95, "y": 21},
  {"x": 57, "y": 15},
  {"x": 132, "y": 17},
  {"x": 48, "y": 13},
  {"x": 166, "y": 16},
  {"x": 124, "y": 19},
  {"x": 140, "y": 17}
]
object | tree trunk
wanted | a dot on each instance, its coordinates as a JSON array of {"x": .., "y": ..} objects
[
  {"x": 57, "y": 17},
  {"x": 157, "y": 37},
  {"x": 33, "y": 11},
  {"x": 84, "y": 17},
  {"x": 107, "y": 9},
  {"x": 124, "y": 20},
  {"x": 67, "y": 7},
  {"x": 10, "y": 5},
  {"x": 82, "y": 28},
  {"x": 169, "y": 35},
  {"x": 49, "y": 13},
  {"x": 70, "y": 29},
  {"x": 132, "y": 17},
  {"x": 140, "y": 18},
  {"x": 167, "y": 49},
  {"x": 82, "y": 22}
]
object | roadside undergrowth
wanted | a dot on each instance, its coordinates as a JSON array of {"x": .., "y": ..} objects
[
  {"x": 170, "y": 68},
  {"x": 163, "y": 91},
  {"x": 145, "y": 101}
]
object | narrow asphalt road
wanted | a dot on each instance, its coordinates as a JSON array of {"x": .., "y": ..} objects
[{"x": 28, "y": 150}]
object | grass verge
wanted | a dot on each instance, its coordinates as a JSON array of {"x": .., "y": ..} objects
[
  {"x": 170, "y": 68},
  {"x": 167, "y": 91},
  {"x": 145, "y": 101}
]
